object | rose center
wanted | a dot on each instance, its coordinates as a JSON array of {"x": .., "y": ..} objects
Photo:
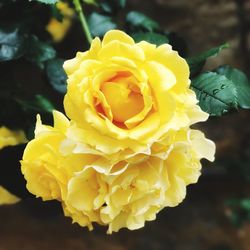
[{"x": 124, "y": 97}]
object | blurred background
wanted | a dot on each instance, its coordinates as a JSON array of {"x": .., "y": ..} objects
[{"x": 216, "y": 212}]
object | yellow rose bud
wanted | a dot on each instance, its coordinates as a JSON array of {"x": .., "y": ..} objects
[{"x": 9, "y": 138}]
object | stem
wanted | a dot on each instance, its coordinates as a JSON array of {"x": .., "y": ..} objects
[{"x": 83, "y": 21}]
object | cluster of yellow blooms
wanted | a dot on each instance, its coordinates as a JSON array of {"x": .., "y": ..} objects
[
  {"x": 127, "y": 150},
  {"x": 9, "y": 138}
]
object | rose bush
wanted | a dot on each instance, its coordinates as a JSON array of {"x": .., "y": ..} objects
[{"x": 128, "y": 150}]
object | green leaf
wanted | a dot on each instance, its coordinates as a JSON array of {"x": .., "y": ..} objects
[
  {"x": 111, "y": 6},
  {"x": 39, "y": 52},
  {"x": 217, "y": 94},
  {"x": 137, "y": 20},
  {"x": 38, "y": 104},
  {"x": 150, "y": 37},
  {"x": 241, "y": 83},
  {"x": 100, "y": 24},
  {"x": 47, "y": 1},
  {"x": 12, "y": 44},
  {"x": 240, "y": 210},
  {"x": 245, "y": 204},
  {"x": 122, "y": 3},
  {"x": 196, "y": 63},
  {"x": 56, "y": 74}
]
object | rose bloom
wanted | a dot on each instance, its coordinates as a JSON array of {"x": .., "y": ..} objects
[
  {"x": 127, "y": 150},
  {"x": 123, "y": 96},
  {"x": 122, "y": 194},
  {"x": 9, "y": 138}
]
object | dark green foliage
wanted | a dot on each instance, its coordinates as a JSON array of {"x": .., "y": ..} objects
[
  {"x": 56, "y": 75},
  {"x": 99, "y": 24},
  {"x": 221, "y": 91},
  {"x": 19, "y": 103},
  {"x": 241, "y": 83},
  {"x": 38, "y": 51},
  {"x": 39, "y": 104},
  {"x": 111, "y": 6},
  {"x": 142, "y": 27},
  {"x": 216, "y": 94},
  {"x": 138, "y": 21},
  {"x": 24, "y": 51},
  {"x": 47, "y": 1},
  {"x": 196, "y": 63},
  {"x": 12, "y": 43},
  {"x": 240, "y": 211}
]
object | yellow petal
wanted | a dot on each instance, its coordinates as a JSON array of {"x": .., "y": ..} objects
[
  {"x": 82, "y": 191},
  {"x": 6, "y": 198},
  {"x": 119, "y": 49},
  {"x": 118, "y": 35},
  {"x": 60, "y": 121},
  {"x": 203, "y": 147}
]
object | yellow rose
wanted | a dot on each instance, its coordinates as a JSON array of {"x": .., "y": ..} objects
[
  {"x": 58, "y": 29},
  {"x": 119, "y": 194},
  {"x": 42, "y": 160},
  {"x": 9, "y": 138},
  {"x": 123, "y": 96},
  {"x": 134, "y": 195}
]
